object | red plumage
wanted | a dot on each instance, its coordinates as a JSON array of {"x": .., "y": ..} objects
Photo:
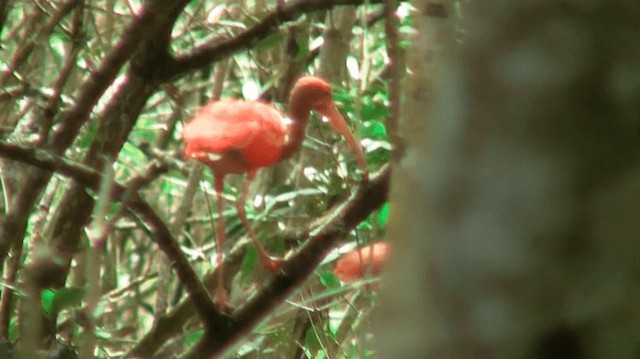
[
  {"x": 241, "y": 136},
  {"x": 358, "y": 263},
  {"x": 233, "y": 136}
]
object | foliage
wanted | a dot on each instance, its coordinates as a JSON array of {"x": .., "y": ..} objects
[{"x": 92, "y": 86}]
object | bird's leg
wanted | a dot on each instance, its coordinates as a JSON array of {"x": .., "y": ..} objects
[
  {"x": 221, "y": 294},
  {"x": 268, "y": 262}
]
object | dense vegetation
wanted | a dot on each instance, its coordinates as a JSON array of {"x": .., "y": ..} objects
[{"x": 107, "y": 233}]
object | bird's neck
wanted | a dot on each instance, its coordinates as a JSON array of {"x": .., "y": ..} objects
[{"x": 300, "y": 117}]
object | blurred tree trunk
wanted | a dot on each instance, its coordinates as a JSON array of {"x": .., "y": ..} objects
[
  {"x": 516, "y": 203},
  {"x": 337, "y": 39}
]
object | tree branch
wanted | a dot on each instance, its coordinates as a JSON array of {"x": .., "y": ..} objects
[
  {"x": 369, "y": 196},
  {"x": 22, "y": 53},
  {"x": 100, "y": 79},
  {"x": 151, "y": 18},
  {"x": 171, "y": 325},
  {"x": 366, "y": 199},
  {"x": 219, "y": 48},
  {"x": 5, "y": 6},
  {"x": 70, "y": 60},
  {"x": 153, "y": 224}
]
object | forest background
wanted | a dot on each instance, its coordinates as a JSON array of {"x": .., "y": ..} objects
[{"x": 512, "y": 131}]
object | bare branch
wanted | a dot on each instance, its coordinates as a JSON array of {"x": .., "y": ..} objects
[
  {"x": 153, "y": 224},
  {"x": 218, "y": 48},
  {"x": 5, "y": 6},
  {"x": 100, "y": 79},
  {"x": 24, "y": 51},
  {"x": 51, "y": 109},
  {"x": 366, "y": 199},
  {"x": 369, "y": 196}
]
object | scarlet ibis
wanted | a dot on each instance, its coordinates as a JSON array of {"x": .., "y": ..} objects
[
  {"x": 356, "y": 264},
  {"x": 234, "y": 136}
]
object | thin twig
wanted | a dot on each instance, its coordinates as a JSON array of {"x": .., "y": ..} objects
[
  {"x": 152, "y": 223},
  {"x": 99, "y": 231},
  {"x": 94, "y": 86},
  {"x": 369, "y": 196},
  {"x": 177, "y": 222},
  {"x": 20, "y": 55},
  {"x": 153, "y": 20},
  {"x": 53, "y": 103},
  {"x": 5, "y": 7},
  {"x": 219, "y": 48}
]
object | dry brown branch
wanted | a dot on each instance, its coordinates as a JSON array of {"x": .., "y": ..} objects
[
  {"x": 144, "y": 47},
  {"x": 367, "y": 198},
  {"x": 152, "y": 222},
  {"x": 20, "y": 56},
  {"x": 220, "y": 48},
  {"x": 14, "y": 224}
]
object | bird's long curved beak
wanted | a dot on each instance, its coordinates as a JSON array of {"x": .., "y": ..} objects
[{"x": 339, "y": 124}]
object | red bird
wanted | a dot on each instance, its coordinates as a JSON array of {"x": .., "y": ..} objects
[
  {"x": 360, "y": 262},
  {"x": 233, "y": 136}
]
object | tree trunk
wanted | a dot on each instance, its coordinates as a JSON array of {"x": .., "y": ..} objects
[{"x": 516, "y": 204}]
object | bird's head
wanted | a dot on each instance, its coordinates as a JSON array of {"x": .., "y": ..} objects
[{"x": 313, "y": 93}]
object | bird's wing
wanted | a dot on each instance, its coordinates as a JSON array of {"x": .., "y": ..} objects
[{"x": 221, "y": 126}]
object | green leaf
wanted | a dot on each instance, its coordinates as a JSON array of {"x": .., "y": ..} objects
[
  {"x": 132, "y": 153},
  {"x": 383, "y": 215},
  {"x": 269, "y": 41},
  {"x": 342, "y": 96},
  {"x": 328, "y": 279},
  {"x": 374, "y": 109},
  {"x": 374, "y": 129},
  {"x": 102, "y": 305},
  {"x": 378, "y": 152},
  {"x": 46, "y": 300},
  {"x": 57, "y": 45},
  {"x": 193, "y": 337},
  {"x": 101, "y": 333},
  {"x": 249, "y": 261},
  {"x": 87, "y": 137},
  {"x": 407, "y": 30},
  {"x": 365, "y": 225},
  {"x": 14, "y": 329},
  {"x": 67, "y": 297},
  {"x": 302, "y": 40},
  {"x": 114, "y": 208},
  {"x": 311, "y": 340},
  {"x": 147, "y": 129},
  {"x": 54, "y": 301}
]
